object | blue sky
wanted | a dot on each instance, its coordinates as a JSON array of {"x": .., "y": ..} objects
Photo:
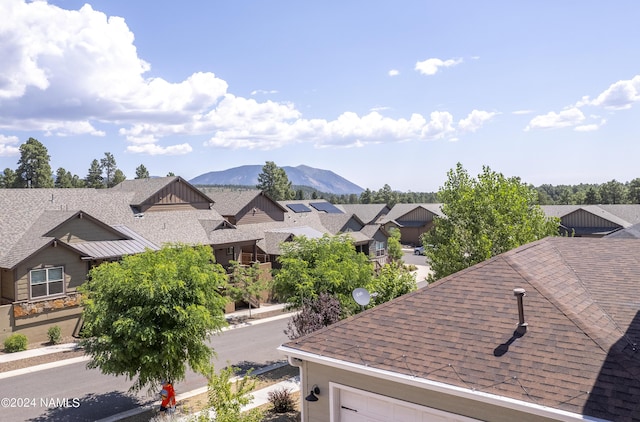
[{"x": 376, "y": 91}]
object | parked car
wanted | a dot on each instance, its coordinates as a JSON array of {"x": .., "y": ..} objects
[{"x": 418, "y": 250}]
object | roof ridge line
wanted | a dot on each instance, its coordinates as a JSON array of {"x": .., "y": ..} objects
[{"x": 596, "y": 332}]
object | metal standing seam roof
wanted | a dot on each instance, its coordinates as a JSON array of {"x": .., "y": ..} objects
[{"x": 115, "y": 248}]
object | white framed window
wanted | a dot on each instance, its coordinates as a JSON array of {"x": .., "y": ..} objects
[
  {"x": 380, "y": 250},
  {"x": 230, "y": 251},
  {"x": 46, "y": 282}
]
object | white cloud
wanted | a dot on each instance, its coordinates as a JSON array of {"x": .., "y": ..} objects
[
  {"x": 263, "y": 92},
  {"x": 155, "y": 149},
  {"x": 431, "y": 66},
  {"x": 475, "y": 120},
  {"x": 569, "y": 117},
  {"x": 6, "y": 146},
  {"x": 587, "y": 128},
  {"x": 394, "y": 72},
  {"x": 69, "y": 71},
  {"x": 522, "y": 112},
  {"x": 619, "y": 95}
]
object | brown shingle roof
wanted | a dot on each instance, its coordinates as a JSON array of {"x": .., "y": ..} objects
[{"x": 579, "y": 353}]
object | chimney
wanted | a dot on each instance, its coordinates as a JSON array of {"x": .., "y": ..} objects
[{"x": 519, "y": 294}]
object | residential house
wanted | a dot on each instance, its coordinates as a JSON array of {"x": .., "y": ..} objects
[
  {"x": 593, "y": 220},
  {"x": 51, "y": 238},
  {"x": 246, "y": 206},
  {"x": 413, "y": 220},
  {"x": 368, "y": 238},
  {"x": 545, "y": 332}
]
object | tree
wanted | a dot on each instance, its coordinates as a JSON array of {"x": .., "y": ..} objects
[
  {"x": 7, "y": 178},
  {"x": 227, "y": 398},
  {"x": 274, "y": 182},
  {"x": 591, "y": 196},
  {"x": 94, "y": 176},
  {"x": 171, "y": 174},
  {"x": 482, "y": 218},
  {"x": 34, "y": 170},
  {"x": 394, "y": 248},
  {"x": 612, "y": 192},
  {"x": 386, "y": 196},
  {"x": 108, "y": 166},
  {"x": 329, "y": 264},
  {"x": 394, "y": 280},
  {"x": 64, "y": 179},
  {"x": 142, "y": 172},
  {"x": 118, "y": 177},
  {"x": 148, "y": 316},
  {"x": 315, "y": 313},
  {"x": 633, "y": 191},
  {"x": 245, "y": 283}
]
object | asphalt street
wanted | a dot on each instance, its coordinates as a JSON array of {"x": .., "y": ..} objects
[{"x": 74, "y": 393}]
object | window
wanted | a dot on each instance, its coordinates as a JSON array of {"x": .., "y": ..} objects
[
  {"x": 380, "y": 251},
  {"x": 47, "y": 282},
  {"x": 230, "y": 251}
]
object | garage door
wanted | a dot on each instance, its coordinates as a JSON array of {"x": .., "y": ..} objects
[{"x": 353, "y": 405}]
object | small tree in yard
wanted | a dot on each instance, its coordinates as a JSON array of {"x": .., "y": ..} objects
[
  {"x": 227, "y": 398},
  {"x": 245, "y": 283},
  {"x": 149, "y": 315},
  {"x": 316, "y": 313},
  {"x": 393, "y": 280}
]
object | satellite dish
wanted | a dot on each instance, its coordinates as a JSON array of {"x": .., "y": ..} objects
[{"x": 361, "y": 296}]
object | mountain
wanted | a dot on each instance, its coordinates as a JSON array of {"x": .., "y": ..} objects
[{"x": 323, "y": 180}]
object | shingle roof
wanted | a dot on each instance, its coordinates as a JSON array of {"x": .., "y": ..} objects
[
  {"x": 29, "y": 214},
  {"x": 632, "y": 232},
  {"x": 232, "y": 202},
  {"x": 579, "y": 353},
  {"x": 368, "y": 213}
]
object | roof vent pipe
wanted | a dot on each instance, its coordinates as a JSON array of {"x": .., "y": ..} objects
[{"x": 520, "y": 293}]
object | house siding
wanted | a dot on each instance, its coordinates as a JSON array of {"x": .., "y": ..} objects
[
  {"x": 83, "y": 230},
  {"x": 176, "y": 196},
  {"x": 7, "y": 286},
  {"x": 260, "y": 210},
  {"x": 320, "y": 411},
  {"x": 583, "y": 218},
  {"x": 75, "y": 270}
]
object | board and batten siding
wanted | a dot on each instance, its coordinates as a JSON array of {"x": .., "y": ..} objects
[
  {"x": 582, "y": 218},
  {"x": 417, "y": 214},
  {"x": 75, "y": 269},
  {"x": 260, "y": 210},
  {"x": 322, "y": 375},
  {"x": 175, "y": 196}
]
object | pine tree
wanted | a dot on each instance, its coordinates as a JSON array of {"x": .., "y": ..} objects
[{"x": 34, "y": 170}]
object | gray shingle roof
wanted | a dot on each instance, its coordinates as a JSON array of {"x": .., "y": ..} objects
[
  {"x": 229, "y": 203},
  {"x": 579, "y": 352},
  {"x": 368, "y": 213},
  {"x": 29, "y": 214}
]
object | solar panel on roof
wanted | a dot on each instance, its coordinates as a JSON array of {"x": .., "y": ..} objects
[
  {"x": 327, "y": 207},
  {"x": 297, "y": 208}
]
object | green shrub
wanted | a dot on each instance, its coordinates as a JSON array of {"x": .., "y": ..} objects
[
  {"x": 54, "y": 334},
  {"x": 281, "y": 400},
  {"x": 15, "y": 343}
]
